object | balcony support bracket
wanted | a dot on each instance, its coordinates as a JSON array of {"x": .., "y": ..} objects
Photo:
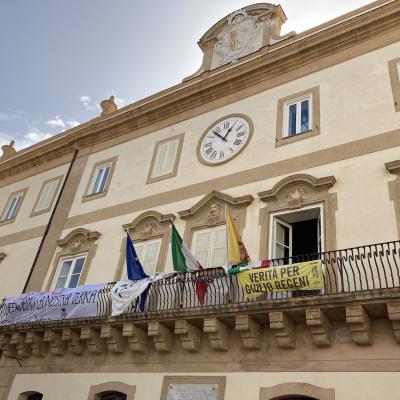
[
  {"x": 251, "y": 332},
  {"x": 285, "y": 333},
  {"x": 320, "y": 327}
]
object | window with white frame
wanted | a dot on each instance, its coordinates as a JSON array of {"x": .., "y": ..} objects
[
  {"x": 297, "y": 115},
  {"x": 47, "y": 194},
  {"x": 99, "y": 179},
  {"x": 209, "y": 246},
  {"x": 148, "y": 252},
  {"x": 296, "y": 233},
  {"x": 12, "y": 206},
  {"x": 165, "y": 158},
  {"x": 70, "y": 271}
]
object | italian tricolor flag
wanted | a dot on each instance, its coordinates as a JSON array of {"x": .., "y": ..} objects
[
  {"x": 182, "y": 258},
  {"x": 185, "y": 261}
]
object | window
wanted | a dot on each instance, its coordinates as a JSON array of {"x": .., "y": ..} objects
[
  {"x": 35, "y": 396},
  {"x": 210, "y": 246},
  {"x": 113, "y": 396},
  {"x": 164, "y": 163},
  {"x": 100, "y": 179},
  {"x": 298, "y": 117},
  {"x": 296, "y": 233},
  {"x": 394, "y": 71},
  {"x": 46, "y": 196},
  {"x": 12, "y": 206},
  {"x": 70, "y": 272},
  {"x": 147, "y": 252}
]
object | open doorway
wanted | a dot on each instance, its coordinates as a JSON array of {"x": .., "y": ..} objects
[{"x": 296, "y": 233}]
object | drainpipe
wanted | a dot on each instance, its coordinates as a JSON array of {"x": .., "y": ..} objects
[{"x": 50, "y": 220}]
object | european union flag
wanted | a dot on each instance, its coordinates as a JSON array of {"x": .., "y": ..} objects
[
  {"x": 135, "y": 269},
  {"x": 133, "y": 265}
]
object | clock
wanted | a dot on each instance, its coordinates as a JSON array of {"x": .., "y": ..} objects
[{"x": 224, "y": 139}]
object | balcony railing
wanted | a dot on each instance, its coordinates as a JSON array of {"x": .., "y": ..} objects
[{"x": 356, "y": 269}]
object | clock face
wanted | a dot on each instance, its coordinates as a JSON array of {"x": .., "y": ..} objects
[{"x": 224, "y": 140}]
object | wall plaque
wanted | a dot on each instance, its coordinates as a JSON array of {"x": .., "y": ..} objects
[{"x": 193, "y": 388}]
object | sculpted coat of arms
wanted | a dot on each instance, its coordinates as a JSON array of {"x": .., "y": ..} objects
[{"x": 241, "y": 36}]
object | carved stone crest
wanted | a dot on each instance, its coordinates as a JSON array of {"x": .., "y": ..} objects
[
  {"x": 213, "y": 212},
  {"x": 241, "y": 36},
  {"x": 297, "y": 196},
  {"x": 148, "y": 229}
]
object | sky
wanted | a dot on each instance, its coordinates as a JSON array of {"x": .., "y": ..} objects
[{"x": 59, "y": 59}]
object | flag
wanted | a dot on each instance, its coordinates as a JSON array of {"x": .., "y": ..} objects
[
  {"x": 185, "y": 261},
  {"x": 134, "y": 269},
  {"x": 237, "y": 253},
  {"x": 251, "y": 265}
]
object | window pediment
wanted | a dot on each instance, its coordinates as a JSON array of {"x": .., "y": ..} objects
[
  {"x": 297, "y": 189},
  {"x": 78, "y": 240}
]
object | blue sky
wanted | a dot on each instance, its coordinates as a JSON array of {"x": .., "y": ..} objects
[{"x": 61, "y": 58}]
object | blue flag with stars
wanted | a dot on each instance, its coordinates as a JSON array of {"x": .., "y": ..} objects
[{"x": 133, "y": 265}]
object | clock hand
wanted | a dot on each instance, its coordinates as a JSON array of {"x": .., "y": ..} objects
[
  {"x": 217, "y": 134},
  {"x": 229, "y": 130}
]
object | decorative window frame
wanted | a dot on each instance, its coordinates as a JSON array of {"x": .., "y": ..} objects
[
  {"x": 210, "y": 212},
  {"x": 45, "y": 210},
  {"x": 316, "y": 118},
  {"x": 220, "y": 381},
  {"x": 76, "y": 242},
  {"x": 296, "y": 389},
  {"x": 292, "y": 193},
  {"x": 25, "y": 395},
  {"x": 96, "y": 391},
  {"x": 12, "y": 220},
  {"x": 149, "y": 225},
  {"x": 395, "y": 82},
  {"x": 150, "y": 178},
  {"x": 393, "y": 168},
  {"x": 87, "y": 196}
]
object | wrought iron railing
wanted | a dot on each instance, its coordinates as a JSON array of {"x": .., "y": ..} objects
[{"x": 356, "y": 269}]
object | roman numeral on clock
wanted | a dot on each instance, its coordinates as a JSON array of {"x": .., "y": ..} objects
[
  {"x": 213, "y": 154},
  {"x": 240, "y": 134},
  {"x": 237, "y": 142},
  {"x": 209, "y": 151},
  {"x": 208, "y": 144},
  {"x": 221, "y": 154}
]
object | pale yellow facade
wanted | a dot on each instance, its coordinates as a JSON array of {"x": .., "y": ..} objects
[{"x": 353, "y": 353}]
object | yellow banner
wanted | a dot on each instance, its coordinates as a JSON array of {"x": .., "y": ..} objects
[{"x": 301, "y": 276}]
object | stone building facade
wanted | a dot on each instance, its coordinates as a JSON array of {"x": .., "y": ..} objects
[{"x": 299, "y": 136}]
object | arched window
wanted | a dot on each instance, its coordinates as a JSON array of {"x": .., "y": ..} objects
[
  {"x": 113, "y": 396},
  {"x": 296, "y": 398},
  {"x": 296, "y": 391},
  {"x": 30, "y": 396}
]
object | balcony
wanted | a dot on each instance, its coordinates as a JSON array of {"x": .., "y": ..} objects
[{"x": 361, "y": 283}]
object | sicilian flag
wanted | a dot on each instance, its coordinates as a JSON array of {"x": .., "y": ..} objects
[
  {"x": 237, "y": 253},
  {"x": 134, "y": 268},
  {"x": 185, "y": 261},
  {"x": 250, "y": 265}
]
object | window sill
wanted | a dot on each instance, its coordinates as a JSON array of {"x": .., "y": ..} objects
[
  {"x": 89, "y": 197},
  {"x": 7, "y": 221},
  {"x": 295, "y": 138}
]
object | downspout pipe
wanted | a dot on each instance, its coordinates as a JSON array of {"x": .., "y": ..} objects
[{"x": 50, "y": 220}]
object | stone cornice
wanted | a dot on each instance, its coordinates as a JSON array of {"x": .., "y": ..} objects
[{"x": 271, "y": 62}]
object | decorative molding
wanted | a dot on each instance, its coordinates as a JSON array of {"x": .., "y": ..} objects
[
  {"x": 78, "y": 241},
  {"x": 319, "y": 326},
  {"x": 298, "y": 182},
  {"x": 293, "y": 193},
  {"x": 210, "y": 212},
  {"x": 162, "y": 336},
  {"x": 218, "y": 333},
  {"x": 73, "y": 339},
  {"x": 96, "y": 391},
  {"x": 239, "y": 34},
  {"x": 393, "y": 167},
  {"x": 299, "y": 389},
  {"x": 395, "y": 81},
  {"x": 94, "y": 343},
  {"x": 108, "y": 106},
  {"x": 116, "y": 343},
  {"x": 251, "y": 332},
  {"x": 6, "y": 347},
  {"x": 35, "y": 341},
  {"x": 56, "y": 345},
  {"x": 149, "y": 225},
  {"x": 394, "y": 317},
  {"x": 360, "y": 326},
  {"x": 285, "y": 333},
  {"x": 8, "y": 150},
  {"x": 189, "y": 335},
  {"x": 18, "y": 340},
  {"x": 137, "y": 338}
]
